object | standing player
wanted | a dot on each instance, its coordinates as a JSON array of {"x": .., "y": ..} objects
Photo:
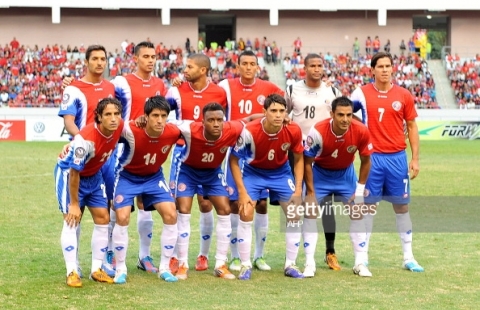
[
  {"x": 245, "y": 96},
  {"x": 331, "y": 146},
  {"x": 139, "y": 173},
  {"x": 79, "y": 183},
  {"x": 206, "y": 144},
  {"x": 188, "y": 100},
  {"x": 80, "y": 100},
  {"x": 310, "y": 101},
  {"x": 387, "y": 107},
  {"x": 264, "y": 145}
]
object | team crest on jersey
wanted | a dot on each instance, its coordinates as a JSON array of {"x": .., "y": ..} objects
[
  {"x": 352, "y": 148},
  {"x": 239, "y": 141},
  {"x": 172, "y": 184},
  {"x": 118, "y": 198},
  {"x": 157, "y": 93},
  {"x": 261, "y": 99},
  {"x": 165, "y": 149},
  {"x": 309, "y": 141},
  {"x": 80, "y": 152},
  {"x": 285, "y": 146},
  {"x": 397, "y": 105},
  {"x": 223, "y": 149},
  {"x": 182, "y": 187}
]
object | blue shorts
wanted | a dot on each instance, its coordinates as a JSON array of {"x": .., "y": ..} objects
[
  {"x": 189, "y": 179},
  {"x": 232, "y": 187},
  {"x": 341, "y": 182},
  {"x": 91, "y": 191},
  {"x": 388, "y": 179},
  {"x": 175, "y": 164},
  {"x": 279, "y": 182},
  {"x": 153, "y": 188}
]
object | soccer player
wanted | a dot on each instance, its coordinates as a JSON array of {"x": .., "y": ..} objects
[
  {"x": 188, "y": 100},
  {"x": 79, "y": 183},
  {"x": 387, "y": 107},
  {"x": 206, "y": 145},
  {"x": 80, "y": 100},
  {"x": 245, "y": 97},
  {"x": 331, "y": 146},
  {"x": 309, "y": 101},
  {"x": 139, "y": 172},
  {"x": 263, "y": 145}
]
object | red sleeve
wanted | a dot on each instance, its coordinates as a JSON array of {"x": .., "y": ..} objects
[{"x": 410, "y": 113}]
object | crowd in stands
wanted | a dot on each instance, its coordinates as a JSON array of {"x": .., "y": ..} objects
[{"x": 465, "y": 81}]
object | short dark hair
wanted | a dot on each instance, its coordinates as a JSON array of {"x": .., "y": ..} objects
[
  {"x": 156, "y": 102},
  {"x": 378, "y": 56},
  {"x": 212, "y": 106},
  {"x": 142, "y": 44},
  {"x": 274, "y": 98},
  {"x": 311, "y": 56},
  {"x": 201, "y": 60},
  {"x": 341, "y": 101},
  {"x": 247, "y": 53},
  {"x": 95, "y": 47},
  {"x": 102, "y": 104}
]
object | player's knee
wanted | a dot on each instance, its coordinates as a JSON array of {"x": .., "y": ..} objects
[
  {"x": 101, "y": 216},
  {"x": 261, "y": 206},
  {"x": 234, "y": 206},
  {"x": 169, "y": 217},
  {"x": 205, "y": 206},
  {"x": 400, "y": 208}
]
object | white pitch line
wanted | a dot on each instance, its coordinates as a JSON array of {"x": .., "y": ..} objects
[{"x": 26, "y": 176}]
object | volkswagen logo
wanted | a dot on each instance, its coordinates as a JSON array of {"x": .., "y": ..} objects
[{"x": 39, "y": 127}]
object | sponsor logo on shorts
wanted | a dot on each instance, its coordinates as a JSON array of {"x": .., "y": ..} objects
[
  {"x": 261, "y": 99},
  {"x": 80, "y": 152},
  {"x": 405, "y": 195},
  {"x": 182, "y": 187},
  {"x": 231, "y": 191},
  {"x": 366, "y": 193},
  {"x": 285, "y": 146},
  {"x": 118, "y": 198},
  {"x": 172, "y": 184},
  {"x": 397, "y": 105},
  {"x": 352, "y": 148},
  {"x": 165, "y": 149}
]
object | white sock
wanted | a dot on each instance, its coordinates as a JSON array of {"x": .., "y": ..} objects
[
  {"x": 206, "y": 231},
  {"x": 68, "y": 241},
  {"x": 234, "y": 218},
  {"x": 310, "y": 238},
  {"x": 183, "y": 224},
  {"x": 99, "y": 245},
  {"x": 404, "y": 228},
  {"x": 260, "y": 224},
  {"x": 120, "y": 245},
  {"x": 292, "y": 241},
  {"x": 168, "y": 239},
  {"x": 111, "y": 224},
  {"x": 223, "y": 231},
  {"x": 145, "y": 231},
  {"x": 78, "y": 232},
  {"x": 368, "y": 220},
  {"x": 358, "y": 238},
  {"x": 244, "y": 236}
]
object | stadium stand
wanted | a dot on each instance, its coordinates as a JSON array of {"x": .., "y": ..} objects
[{"x": 464, "y": 79}]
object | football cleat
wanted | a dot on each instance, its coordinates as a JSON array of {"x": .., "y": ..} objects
[
  {"x": 235, "y": 264},
  {"x": 108, "y": 269},
  {"x": 173, "y": 265},
  {"x": 146, "y": 264},
  {"x": 412, "y": 265},
  {"x": 73, "y": 280},
  {"x": 362, "y": 270},
  {"x": 332, "y": 261},
  {"x": 260, "y": 264},
  {"x": 182, "y": 273},
  {"x": 222, "y": 272},
  {"x": 309, "y": 271},
  {"x": 167, "y": 276},
  {"x": 202, "y": 263},
  {"x": 101, "y": 276},
  {"x": 120, "y": 277},
  {"x": 245, "y": 273},
  {"x": 293, "y": 272}
]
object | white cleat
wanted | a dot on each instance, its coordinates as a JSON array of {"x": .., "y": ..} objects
[
  {"x": 309, "y": 271},
  {"x": 362, "y": 270}
]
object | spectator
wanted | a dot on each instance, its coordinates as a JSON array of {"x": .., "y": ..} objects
[
  {"x": 4, "y": 97},
  {"x": 402, "y": 48},
  {"x": 386, "y": 48}
]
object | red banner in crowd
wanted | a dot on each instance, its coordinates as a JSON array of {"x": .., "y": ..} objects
[{"x": 12, "y": 130}]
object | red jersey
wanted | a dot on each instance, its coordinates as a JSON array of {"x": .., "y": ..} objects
[
  {"x": 133, "y": 92},
  {"x": 268, "y": 151},
  {"x": 188, "y": 103},
  {"x": 90, "y": 150},
  {"x": 385, "y": 113},
  {"x": 245, "y": 100},
  {"x": 144, "y": 155},
  {"x": 81, "y": 99},
  {"x": 337, "y": 152},
  {"x": 201, "y": 153}
]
